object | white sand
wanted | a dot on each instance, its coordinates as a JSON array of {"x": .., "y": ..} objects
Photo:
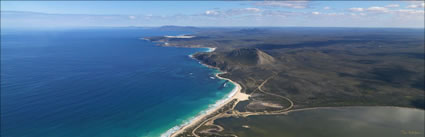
[
  {"x": 235, "y": 94},
  {"x": 211, "y": 49}
]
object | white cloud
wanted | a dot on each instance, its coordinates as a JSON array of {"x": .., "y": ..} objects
[
  {"x": 253, "y": 9},
  {"x": 356, "y": 9},
  {"x": 377, "y": 9},
  {"x": 211, "y": 12},
  {"x": 410, "y": 11},
  {"x": 370, "y": 9},
  {"x": 392, "y": 6},
  {"x": 413, "y": 6},
  {"x": 233, "y": 12},
  {"x": 388, "y": 10},
  {"x": 243, "y": 11},
  {"x": 337, "y": 14},
  {"x": 285, "y": 4},
  {"x": 132, "y": 17},
  {"x": 358, "y": 14},
  {"x": 418, "y": 5},
  {"x": 277, "y": 13},
  {"x": 326, "y": 8},
  {"x": 315, "y": 13}
]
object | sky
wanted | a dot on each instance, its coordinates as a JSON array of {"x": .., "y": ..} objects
[{"x": 57, "y": 14}]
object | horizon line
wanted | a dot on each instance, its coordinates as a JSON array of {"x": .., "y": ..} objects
[{"x": 200, "y": 27}]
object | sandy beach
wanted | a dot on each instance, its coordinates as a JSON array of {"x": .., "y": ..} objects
[{"x": 235, "y": 94}]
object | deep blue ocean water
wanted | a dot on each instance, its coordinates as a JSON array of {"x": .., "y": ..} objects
[{"x": 99, "y": 83}]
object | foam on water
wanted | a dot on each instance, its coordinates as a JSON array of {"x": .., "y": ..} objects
[{"x": 211, "y": 108}]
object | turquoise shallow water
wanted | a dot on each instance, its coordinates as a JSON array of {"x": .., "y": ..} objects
[{"x": 100, "y": 83}]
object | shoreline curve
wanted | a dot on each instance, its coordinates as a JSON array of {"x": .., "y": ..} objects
[{"x": 234, "y": 94}]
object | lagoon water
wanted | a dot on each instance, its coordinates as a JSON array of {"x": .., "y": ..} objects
[
  {"x": 99, "y": 83},
  {"x": 331, "y": 122}
]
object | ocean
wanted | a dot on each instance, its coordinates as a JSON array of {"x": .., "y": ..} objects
[{"x": 100, "y": 82}]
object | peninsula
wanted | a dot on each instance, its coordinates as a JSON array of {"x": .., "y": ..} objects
[{"x": 285, "y": 69}]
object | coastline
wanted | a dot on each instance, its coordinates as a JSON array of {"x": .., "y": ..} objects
[{"x": 234, "y": 94}]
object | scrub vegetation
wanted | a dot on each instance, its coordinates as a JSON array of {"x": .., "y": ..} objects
[{"x": 293, "y": 68}]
